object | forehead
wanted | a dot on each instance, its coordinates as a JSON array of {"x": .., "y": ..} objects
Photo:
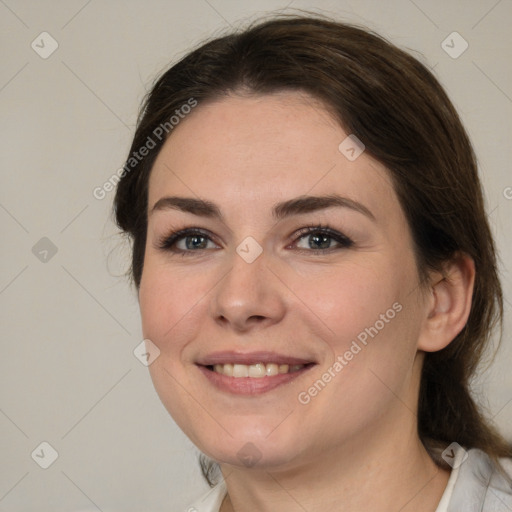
[{"x": 257, "y": 150}]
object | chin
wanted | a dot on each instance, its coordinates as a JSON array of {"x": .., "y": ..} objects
[{"x": 252, "y": 447}]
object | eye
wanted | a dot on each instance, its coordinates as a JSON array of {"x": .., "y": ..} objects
[
  {"x": 318, "y": 239},
  {"x": 185, "y": 241}
]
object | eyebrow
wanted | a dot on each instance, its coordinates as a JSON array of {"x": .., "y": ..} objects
[{"x": 296, "y": 206}]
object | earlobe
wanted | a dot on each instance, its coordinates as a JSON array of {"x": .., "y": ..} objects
[{"x": 449, "y": 304}]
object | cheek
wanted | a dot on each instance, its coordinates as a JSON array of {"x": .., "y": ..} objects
[
  {"x": 371, "y": 325},
  {"x": 170, "y": 307},
  {"x": 168, "y": 302},
  {"x": 349, "y": 298}
]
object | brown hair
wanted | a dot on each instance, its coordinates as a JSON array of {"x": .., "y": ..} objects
[{"x": 394, "y": 104}]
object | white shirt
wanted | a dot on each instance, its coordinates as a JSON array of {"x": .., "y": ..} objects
[{"x": 474, "y": 486}]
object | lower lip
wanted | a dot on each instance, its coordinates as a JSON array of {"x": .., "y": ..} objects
[{"x": 250, "y": 385}]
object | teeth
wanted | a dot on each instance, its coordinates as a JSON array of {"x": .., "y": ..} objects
[
  {"x": 271, "y": 369},
  {"x": 255, "y": 371},
  {"x": 240, "y": 370}
]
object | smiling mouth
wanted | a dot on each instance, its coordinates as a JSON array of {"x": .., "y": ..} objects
[
  {"x": 251, "y": 379},
  {"x": 255, "y": 371}
]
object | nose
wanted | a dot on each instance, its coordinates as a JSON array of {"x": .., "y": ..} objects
[{"x": 249, "y": 297}]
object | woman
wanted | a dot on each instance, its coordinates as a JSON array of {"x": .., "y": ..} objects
[{"x": 316, "y": 275}]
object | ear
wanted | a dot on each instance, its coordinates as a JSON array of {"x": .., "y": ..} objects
[{"x": 447, "y": 303}]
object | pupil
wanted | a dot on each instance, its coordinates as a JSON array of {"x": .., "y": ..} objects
[
  {"x": 194, "y": 239},
  {"x": 322, "y": 239}
]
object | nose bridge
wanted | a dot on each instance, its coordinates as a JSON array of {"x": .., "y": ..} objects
[
  {"x": 246, "y": 279},
  {"x": 248, "y": 291}
]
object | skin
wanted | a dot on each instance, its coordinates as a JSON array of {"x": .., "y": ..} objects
[{"x": 354, "y": 446}]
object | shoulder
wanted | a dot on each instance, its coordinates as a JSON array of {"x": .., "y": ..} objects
[
  {"x": 209, "y": 501},
  {"x": 480, "y": 486}
]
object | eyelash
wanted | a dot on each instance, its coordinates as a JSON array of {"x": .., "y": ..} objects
[{"x": 168, "y": 242}]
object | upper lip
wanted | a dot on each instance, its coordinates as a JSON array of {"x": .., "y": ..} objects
[{"x": 249, "y": 358}]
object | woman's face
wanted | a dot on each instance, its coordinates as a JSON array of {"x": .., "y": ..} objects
[{"x": 279, "y": 341}]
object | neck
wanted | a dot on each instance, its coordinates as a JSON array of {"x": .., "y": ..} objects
[{"x": 388, "y": 470}]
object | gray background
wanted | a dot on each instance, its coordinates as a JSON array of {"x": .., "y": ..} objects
[{"x": 70, "y": 321}]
